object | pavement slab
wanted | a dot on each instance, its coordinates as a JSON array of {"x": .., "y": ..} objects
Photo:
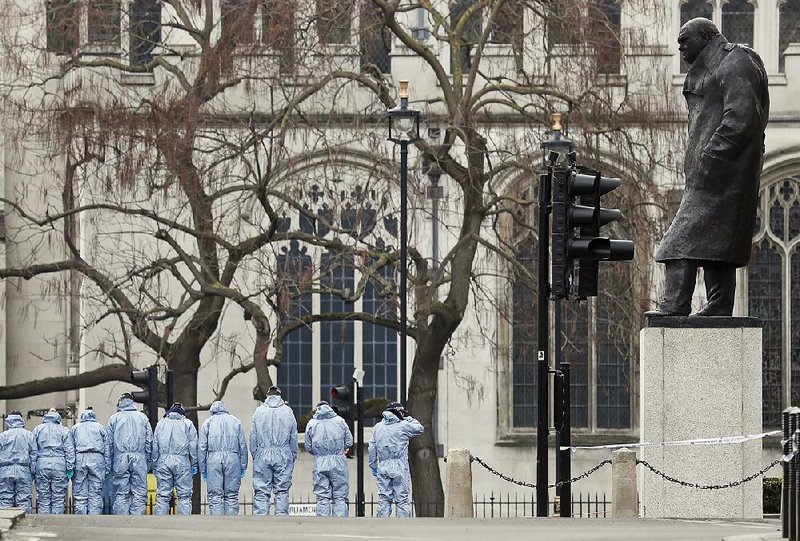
[{"x": 202, "y": 527}]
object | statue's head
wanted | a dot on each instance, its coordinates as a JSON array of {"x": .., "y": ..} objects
[{"x": 694, "y": 36}]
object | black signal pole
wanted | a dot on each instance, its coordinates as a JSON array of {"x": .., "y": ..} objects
[
  {"x": 543, "y": 367},
  {"x": 361, "y": 506}
]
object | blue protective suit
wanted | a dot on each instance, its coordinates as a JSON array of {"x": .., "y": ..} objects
[
  {"x": 89, "y": 439},
  {"x": 273, "y": 444},
  {"x": 222, "y": 456},
  {"x": 327, "y": 438},
  {"x": 174, "y": 457},
  {"x": 17, "y": 463},
  {"x": 55, "y": 454},
  {"x": 129, "y": 439},
  {"x": 388, "y": 455}
]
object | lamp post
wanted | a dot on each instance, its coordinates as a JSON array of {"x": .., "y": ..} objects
[
  {"x": 563, "y": 146},
  {"x": 403, "y": 130}
]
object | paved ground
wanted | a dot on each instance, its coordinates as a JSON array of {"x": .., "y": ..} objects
[{"x": 43, "y": 528}]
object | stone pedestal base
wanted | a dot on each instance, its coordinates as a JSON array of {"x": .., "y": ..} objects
[{"x": 700, "y": 378}]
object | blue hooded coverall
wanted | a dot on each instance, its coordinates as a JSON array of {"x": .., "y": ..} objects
[
  {"x": 273, "y": 444},
  {"x": 129, "y": 439},
  {"x": 55, "y": 455},
  {"x": 174, "y": 461},
  {"x": 223, "y": 459},
  {"x": 89, "y": 439},
  {"x": 327, "y": 438},
  {"x": 388, "y": 458},
  {"x": 17, "y": 463}
]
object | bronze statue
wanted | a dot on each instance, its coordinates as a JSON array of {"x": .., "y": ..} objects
[{"x": 728, "y": 101}]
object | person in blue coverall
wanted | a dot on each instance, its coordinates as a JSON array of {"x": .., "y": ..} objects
[
  {"x": 174, "y": 459},
  {"x": 388, "y": 458},
  {"x": 89, "y": 439},
  {"x": 129, "y": 439},
  {"x": 273, "y": 444},
  {"x": 55, "y": 462},
  {"x": 327, "y": 438},
  {"x": 222, "y": 457},
  {"x": 17, "y": 460}
]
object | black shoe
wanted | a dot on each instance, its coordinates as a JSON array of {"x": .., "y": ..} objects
[
  {"x": 663, "y": 313},
  {"x": 709, "y": 311}
]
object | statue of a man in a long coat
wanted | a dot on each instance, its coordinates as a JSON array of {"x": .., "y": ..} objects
[{"x": 727, "y": 97}]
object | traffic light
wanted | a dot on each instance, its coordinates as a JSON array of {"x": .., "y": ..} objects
[
  {"x": 147, "y": 379},
  {"x": 575, "y": 236},
  {"x": 342, "y": 404}
]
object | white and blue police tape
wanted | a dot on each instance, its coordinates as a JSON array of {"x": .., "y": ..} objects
[{"x": 702, "y": 441}]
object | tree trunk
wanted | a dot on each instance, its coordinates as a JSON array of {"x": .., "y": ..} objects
[
  {"x": 425, "y": 476},
  {"x": 185, "y": 367},
  {"x": 431, "y": 340}
]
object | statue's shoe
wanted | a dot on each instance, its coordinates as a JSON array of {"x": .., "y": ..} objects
[
  {"x": 663, "y": 313},
  {"x": 711, "y": 312}
]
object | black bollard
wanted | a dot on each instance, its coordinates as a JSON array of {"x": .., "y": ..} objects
[
  {"x": 795, "y": 534},
  {"x": 792, "y": 479},
  {"x": 787, "y": 446}
]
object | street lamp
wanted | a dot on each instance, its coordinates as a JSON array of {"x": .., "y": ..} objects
[
  {"x": 403, "y": 130},
  {"x": 559, "y": 149},
  {"x": 557, "y": 142}
]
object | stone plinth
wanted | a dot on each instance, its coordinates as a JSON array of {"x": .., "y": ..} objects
[
  {"x": 700, "y": 378},
  {"x": 624, "y": 496},
  {"x": 458, "y": 485}
]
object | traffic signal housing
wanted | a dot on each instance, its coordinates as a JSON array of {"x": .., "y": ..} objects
[
  {"x": 343, "y": 405},
  {"x": 147, "y": 379},
  {"x": 577, "y": 217}
]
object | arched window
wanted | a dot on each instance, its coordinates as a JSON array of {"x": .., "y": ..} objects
[
  {"x": 295, "y": 301},
  {"x": 337, "y": 338},
  {"x": 310, "y": 280},
  {"x": 692, "y": 9},
  {"x": 738, "y": 18},
  {"x": 379, "y": 343},
  {"x": 523, "y": 331},
  {"x": 774, "y": 267},
  {"x": 789, "y": 28},
  {"x": 614, "y": 321}
]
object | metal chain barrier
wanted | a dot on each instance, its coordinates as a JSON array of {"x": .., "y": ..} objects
[
  {"x": 707, "y": 487},
  {"x": 505, "y": 477}
]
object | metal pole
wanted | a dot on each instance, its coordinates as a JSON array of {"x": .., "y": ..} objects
[
  {"x": 563, "y": 465},
  {"x": 543, "y": 344},
  {"x": 558, "y": 398},
  {"x": 360, "y": 500},
  {"x": 791, "y": 480},
  {"x": 566, "y": 437},
  {"x": 794, "y": 533},
  {"x": 787, "y": 448},
  {"x": 403, "y": 267}
]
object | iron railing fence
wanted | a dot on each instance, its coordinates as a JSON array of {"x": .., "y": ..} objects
[{"x": 487, "y": 505}]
